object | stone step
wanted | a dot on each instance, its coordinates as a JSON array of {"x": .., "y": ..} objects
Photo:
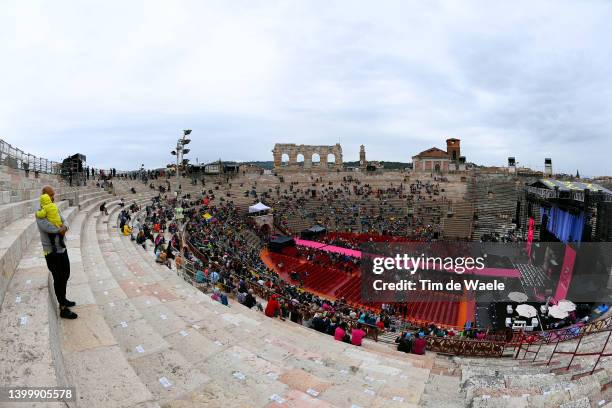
[
  {"x": 140, "y": 333},
  {"x": 538, "y": 390},
  {"x": 28, "y": 323},
  {"x": 223, "y": 338},
  {"x": 194, "y": 351},
  {"x": 442, "y": 391},
  {"x": 87, "y": 342}
]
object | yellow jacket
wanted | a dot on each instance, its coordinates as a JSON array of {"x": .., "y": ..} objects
[
  {"x": 127, "y": 230},
  {"x": 49, "y": 210}
]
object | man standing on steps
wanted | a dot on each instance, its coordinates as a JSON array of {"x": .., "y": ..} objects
[{"x": 56, "y": 255}]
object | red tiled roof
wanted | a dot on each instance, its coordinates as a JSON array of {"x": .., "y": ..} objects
[{"x": 434, "y": 152}]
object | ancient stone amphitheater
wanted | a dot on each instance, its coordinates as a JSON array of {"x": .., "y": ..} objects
[{"x": 145, "y": 337}]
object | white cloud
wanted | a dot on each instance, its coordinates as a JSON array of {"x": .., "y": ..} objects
[{"x": 119, "y": 80}]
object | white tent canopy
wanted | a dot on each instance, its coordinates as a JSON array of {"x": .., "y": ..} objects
[
  {"x": 526, "y": 311},
  {"x": 566, "y": 305},
  {"x": 556, "y": 312},
  {"x": 258, "y": 207}
]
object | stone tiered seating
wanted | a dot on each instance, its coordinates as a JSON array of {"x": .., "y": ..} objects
[
  {"x": 30, "y": 354},
  {"x": 315, "y": 210},
  {"x": 430, "y": 212},
  {"x": 298, "y": 224},
  {"x": 506, "y": 383},
  {"x": 146, "y": 338},
  {"x": 494, "y": 198},
  {"x": 15, "y": 186},
  {"x": 251, "y": 238},
  {"x": 515, "y": 383},
  {"x": 19, "y": 226},
  {"x": 457, "y": 223},
  {"x": 335, "y": 216}
]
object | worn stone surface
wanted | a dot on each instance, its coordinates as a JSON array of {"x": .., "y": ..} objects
[
  {"x": 88, "y": 331},
  {"x": 172, "y": 366},
  {"x": 145, "y": 338},
  {"x": 106, "y": 379}
]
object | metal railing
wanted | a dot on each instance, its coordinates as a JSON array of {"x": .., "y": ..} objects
[
  {"x": 18, "y": 159},
  {"x": 527, "y": 347},
  {"x": 564, "y": 334}
]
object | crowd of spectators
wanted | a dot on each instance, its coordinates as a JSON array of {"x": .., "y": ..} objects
[
  {"x": 220, "y": 256},
  {"x": 347, "y": 206},
  {"x": 405, "y": 210},
  {"x": 223, "y": 258}
]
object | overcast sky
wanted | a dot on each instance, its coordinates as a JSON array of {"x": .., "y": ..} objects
[{"x": 119, "y": 80}]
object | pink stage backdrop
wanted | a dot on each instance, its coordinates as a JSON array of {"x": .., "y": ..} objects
[
  {"x": 530, "y": 236},
  {"x": 567, "y": 271}
]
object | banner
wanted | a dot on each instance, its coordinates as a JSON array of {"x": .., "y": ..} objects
[{"x": 567, "y": 271}]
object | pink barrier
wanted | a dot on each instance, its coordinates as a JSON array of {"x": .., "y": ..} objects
[{"x": 328, "y": 248}]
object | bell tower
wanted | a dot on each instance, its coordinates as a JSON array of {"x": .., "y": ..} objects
[
  {"x": 453, "y": 148},
  {"x": 362, "y": 157}
]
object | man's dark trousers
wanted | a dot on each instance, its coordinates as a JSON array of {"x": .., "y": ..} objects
[{"x": 59, "y": 265}]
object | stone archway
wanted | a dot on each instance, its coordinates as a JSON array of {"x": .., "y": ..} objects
[
  {"x": 315, "y": 159},
  {"x": 307, "y": 151},
  {"x": 331, "y": 159}
]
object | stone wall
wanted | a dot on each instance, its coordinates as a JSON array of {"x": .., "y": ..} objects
[{"x": 292, "y": 151}]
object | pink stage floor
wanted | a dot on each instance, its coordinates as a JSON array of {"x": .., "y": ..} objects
[{"x": 494, "y": 272}]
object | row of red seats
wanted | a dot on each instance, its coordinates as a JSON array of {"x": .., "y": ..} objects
[
  {"x": 441, "y": 312},
  {"x": 324, "y": 278},
  {"x": 436, "y": 312},
  {"x": 321, "y": 278},
  {"x": 325, "y": 261},
  {"x": 351, "y": 290}
]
